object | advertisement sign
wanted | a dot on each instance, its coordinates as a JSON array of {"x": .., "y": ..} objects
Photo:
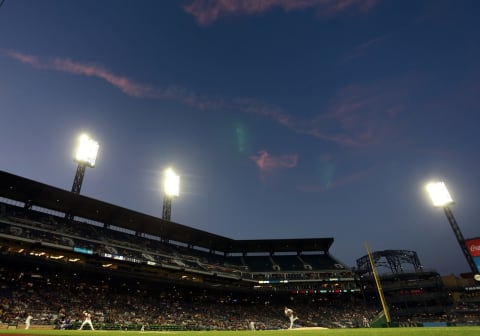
[{"x": 473, "y": 246}]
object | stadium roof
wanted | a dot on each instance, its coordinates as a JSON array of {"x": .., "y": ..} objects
[{"x": 34, "y": 193}]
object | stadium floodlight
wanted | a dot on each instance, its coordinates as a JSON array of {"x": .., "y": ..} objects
[
  {"x": 87, "y": 151},
  {"x": 441, "y": 198},
  {"x": 85, "y": 156},
  {"x": 171, "y": 187},
  {"x": 439, "y": 194},
  {"x": 171, "y": 183}
]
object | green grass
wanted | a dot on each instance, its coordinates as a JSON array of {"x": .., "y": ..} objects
[{"x": 440, "y": 331}]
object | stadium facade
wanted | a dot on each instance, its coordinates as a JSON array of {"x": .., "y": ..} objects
[
  {"x": 75, "y": 234},
  {"x": 42, "y": 224},
  {"x": 100, "y": 233}
]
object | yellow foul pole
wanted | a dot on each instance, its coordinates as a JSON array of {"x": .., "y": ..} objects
[{"x": 379, "y": 286}]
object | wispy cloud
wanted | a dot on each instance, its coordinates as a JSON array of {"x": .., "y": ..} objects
[
  {"x": 364, "y": 114},
  {"x": 267, "y": 162},
  {"x": 126, "y": 85},
  {"x": 23, "y": 58},
  {"x": 208, "y": 11},
  {"x": 358, "y": 115}
]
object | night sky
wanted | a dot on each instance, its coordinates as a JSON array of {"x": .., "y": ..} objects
[{"x": 283, "y": 118}]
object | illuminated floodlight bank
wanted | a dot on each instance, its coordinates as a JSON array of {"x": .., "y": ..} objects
[
  {"x": 171, "y": 187},
  {"x": 85, "y": 156},
  {"x": 87, "y": 151},
  {"x": 439, "y": 194},
  {"x": 171, "y": 183}
]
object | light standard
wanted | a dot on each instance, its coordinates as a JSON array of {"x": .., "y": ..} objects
[
  {"x": 86, "y": 155},
  {"x": 441, "y": 198},
  {"x": 171, "y": 186}
]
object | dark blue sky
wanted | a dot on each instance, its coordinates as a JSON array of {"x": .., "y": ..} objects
[{"x": 284, "y": 118}]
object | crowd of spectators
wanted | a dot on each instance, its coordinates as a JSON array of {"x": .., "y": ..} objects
[{"x": 51, "y": 297}]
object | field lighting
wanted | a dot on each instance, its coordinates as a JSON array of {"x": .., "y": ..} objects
[
  {"x": 439, "y": 194},
  {"x": 441, "y": 198},
  {"x": 171, "y": 186},
  {"x": 85, "y": 156},
  {"x": 87, "y": 151}
]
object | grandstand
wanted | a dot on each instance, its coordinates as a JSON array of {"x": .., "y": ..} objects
[
  {"x": 416, "y": 295},
  {"x": 100, "y": 233},
  {"x": 62, "y": 250},
  {"x": 100, "y": 238}
]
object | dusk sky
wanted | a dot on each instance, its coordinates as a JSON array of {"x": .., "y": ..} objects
[{"x": 283, "y": 118}]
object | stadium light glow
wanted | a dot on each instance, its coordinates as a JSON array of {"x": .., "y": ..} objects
[
  {"x": 87, "y": 150},
  {"x": 439, "y": 194},
  {"x": 441, "y": 198},
  {"x": 171, "y": 187},
  {"x": 171, "y": 183},
  {"x": 85, "y": 156}
]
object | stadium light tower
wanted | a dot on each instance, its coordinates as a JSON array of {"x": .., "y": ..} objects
[
  {"x": 87, "y": 150},
  {"x": 441, "y": 198},
  {"x": 171, "y": 186}
]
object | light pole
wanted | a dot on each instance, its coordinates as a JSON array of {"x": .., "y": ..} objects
[
  {"x": 86, "y": 155},
  {"x": 441, "y": 198},
  {"x": 171, "y": 186}
]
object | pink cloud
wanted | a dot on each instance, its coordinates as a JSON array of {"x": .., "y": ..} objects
[
  {"x": 23, "y": 58},
  {"x": 359, "y": 115},
  {"x": 266, "y": 162},
  {"x": 126, "y": 85},
  {"x": 135, "y": 89},
  {"x": 362, "y": 115},
  {"x": 208, "y": 11}
]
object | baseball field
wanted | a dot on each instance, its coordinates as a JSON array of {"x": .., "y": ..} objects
[{"x": 440, "y": 331}]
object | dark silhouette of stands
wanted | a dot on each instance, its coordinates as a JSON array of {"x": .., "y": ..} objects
[
  {"x": 140, "y": 253},
  {"x": 112, "y": 243}
]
